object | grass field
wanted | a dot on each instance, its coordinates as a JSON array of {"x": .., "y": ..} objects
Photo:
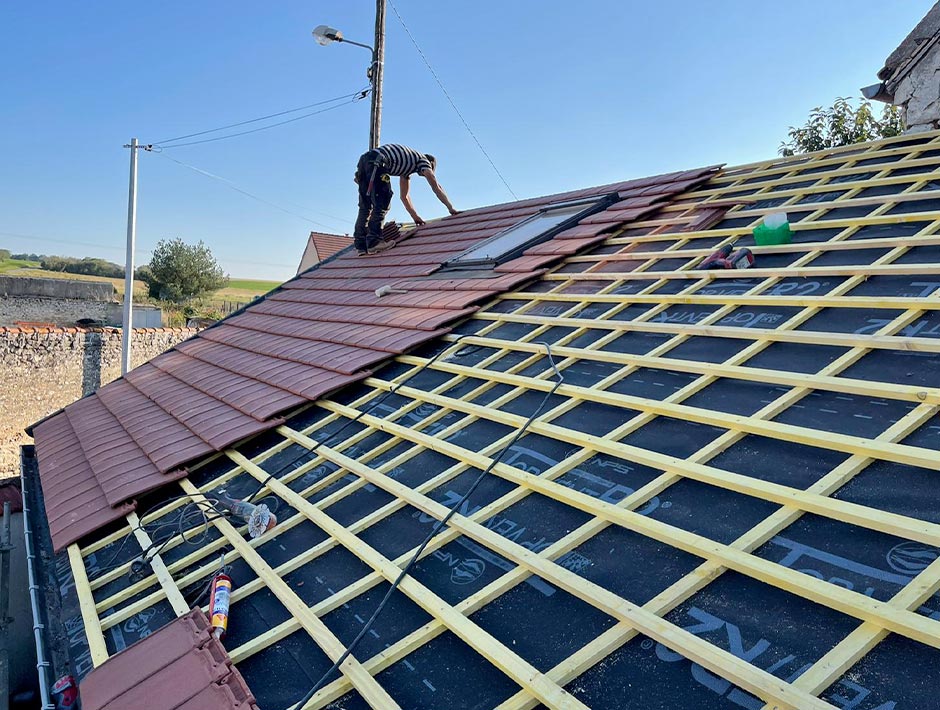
[
  {"x": 244, "y": 289},
  {"x": 7, "y": 265},
  {"x": 239, "y": 290}
]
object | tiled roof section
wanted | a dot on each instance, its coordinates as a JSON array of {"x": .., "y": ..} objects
[
  {"x": 75, "y": 501},
  {"x": 320, "y": 247},
  {"x": 320, "y": 331},
  {"x": 180, "y": 667},
  {"x": 925, "y": 30}
]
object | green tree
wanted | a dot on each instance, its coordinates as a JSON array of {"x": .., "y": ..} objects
[
  {"x": 842, "y": 124},
  {"x": 181, "y": 272},
  {"x": 57, "y": 263},
  {"x": 4, "y": 254}
]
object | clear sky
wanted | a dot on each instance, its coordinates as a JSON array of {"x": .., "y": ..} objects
[{"x": 561, "y": 94}]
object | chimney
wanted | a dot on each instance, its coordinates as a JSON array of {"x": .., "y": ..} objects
[{"x": 909, "y": 78}]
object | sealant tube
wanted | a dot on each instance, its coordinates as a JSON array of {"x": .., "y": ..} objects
[{"x": 219, "y": 604}]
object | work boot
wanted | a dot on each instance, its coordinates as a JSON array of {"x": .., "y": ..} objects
[{"x": 381, "y": 246}]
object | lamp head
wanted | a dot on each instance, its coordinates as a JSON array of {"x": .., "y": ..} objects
[{"x": 324, "y": 35}]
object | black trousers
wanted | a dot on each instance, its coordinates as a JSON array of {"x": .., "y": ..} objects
[{"x": 375, "y": 197}]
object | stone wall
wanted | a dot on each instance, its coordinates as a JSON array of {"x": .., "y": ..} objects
[
  {"x": 43, "y": 369},
  {"x": 73, "y": 289},
  {"x": 918, "y": 93},
  {"x": 60, "y": 311}
]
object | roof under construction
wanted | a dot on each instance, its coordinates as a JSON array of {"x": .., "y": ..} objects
[{"x": 724, "y": 494}]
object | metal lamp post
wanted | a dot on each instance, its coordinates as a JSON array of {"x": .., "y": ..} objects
[{"x": 325, "y": 35}]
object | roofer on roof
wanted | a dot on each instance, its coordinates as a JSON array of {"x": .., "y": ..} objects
[{"x": 375, "y": 190}]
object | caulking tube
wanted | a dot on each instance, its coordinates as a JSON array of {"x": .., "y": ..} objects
[{"x": 219, "y": 603}]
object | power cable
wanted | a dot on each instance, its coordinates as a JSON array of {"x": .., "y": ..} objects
[
  {"x": 255, "y": 120},
  {"x": 38, "y": 238},
  {"x": 354, "y": 98},
  {"x": 439, "y": 525},
  {"x": 111, "y": 247},
  {"x": 450, "y": 100},
  {"x": 233, "y": 186}
]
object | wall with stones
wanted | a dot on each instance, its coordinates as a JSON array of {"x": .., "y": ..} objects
[
  {"x": 918, "y": 93},
  {"x": 61, "y": 311},
  {"x": 43, "y": 369}
]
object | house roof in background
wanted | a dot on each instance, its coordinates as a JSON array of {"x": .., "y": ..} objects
[
  {"x": 320, "y": 247},
  {"x": 926, "y": 30},
  {"x": 730, "y": 500},
  {"x": 316, "y": 333}
]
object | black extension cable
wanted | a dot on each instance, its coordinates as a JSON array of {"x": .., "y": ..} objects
[{"x": 439, "y": 525}]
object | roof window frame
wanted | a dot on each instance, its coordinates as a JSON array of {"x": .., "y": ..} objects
[{"x": 592, "y": 205}]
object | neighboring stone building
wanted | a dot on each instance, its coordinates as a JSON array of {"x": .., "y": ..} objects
[{"x": 910, "y": 77}]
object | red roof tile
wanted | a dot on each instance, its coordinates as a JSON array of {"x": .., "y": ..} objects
[
  {"x": 320, "y": 331},
  {"x": 180, "y": 667}
]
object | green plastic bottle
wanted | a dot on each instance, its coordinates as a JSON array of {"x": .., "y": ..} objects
[{"x": 774, "y": 229}]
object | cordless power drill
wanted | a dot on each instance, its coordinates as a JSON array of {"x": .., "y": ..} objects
[{"x": 725, "y": 258}]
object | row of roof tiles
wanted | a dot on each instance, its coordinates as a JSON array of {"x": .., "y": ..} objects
[{"x": 180, "y": 667}]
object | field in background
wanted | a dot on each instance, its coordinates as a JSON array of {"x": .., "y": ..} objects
[
  {"x": 244, "y": 289},
  {"x": 7, "y": 265},
  {"x": 238, "y": 290}
]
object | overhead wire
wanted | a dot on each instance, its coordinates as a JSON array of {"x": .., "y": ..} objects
[
  {"x": 450, "y": 100},
  {"x": 260, "y": 118},
  {"x": 351, "y": 98},
  {"x": 38, "y": 238},
  {"x": 231, "y": 185},
  {"x": 111, "y": 247},
  {"x": 437, "y": 527}
]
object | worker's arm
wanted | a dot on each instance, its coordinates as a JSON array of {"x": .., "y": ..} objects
[
  {"x": 404, "y": 185},
  {"x": 438, "y": 190}
]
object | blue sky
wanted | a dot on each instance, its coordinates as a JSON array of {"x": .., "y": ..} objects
[{"x": 561, "y": 94}]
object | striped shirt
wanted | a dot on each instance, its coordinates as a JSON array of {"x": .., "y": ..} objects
[{"x": 401, "y": 160}]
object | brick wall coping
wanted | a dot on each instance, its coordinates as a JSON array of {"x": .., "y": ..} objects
[{"x": 15, "y": 330}]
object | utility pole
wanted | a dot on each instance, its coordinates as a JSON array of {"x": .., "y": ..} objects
[
  {"x": 378, "y": 69},
  {"x": 129, "y": 262}
]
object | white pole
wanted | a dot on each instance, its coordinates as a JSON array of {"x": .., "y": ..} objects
[{"x": 129, "y": 262}]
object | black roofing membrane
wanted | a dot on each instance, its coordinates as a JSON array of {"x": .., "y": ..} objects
[{"x": 774, "y": 630}]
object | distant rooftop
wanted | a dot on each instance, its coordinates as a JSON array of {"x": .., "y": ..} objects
[{"x": 320, "y": 247}]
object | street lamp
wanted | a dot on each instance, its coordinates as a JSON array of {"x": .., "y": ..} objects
[{"x": 324, "y": 35}]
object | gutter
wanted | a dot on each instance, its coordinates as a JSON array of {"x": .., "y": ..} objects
[{"x": 42, "y": 664}]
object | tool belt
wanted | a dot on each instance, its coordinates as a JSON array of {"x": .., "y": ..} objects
[{"x": 375, "y": 159}]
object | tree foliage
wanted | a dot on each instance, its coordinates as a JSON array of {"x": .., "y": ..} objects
[
  {"x": 88, "y": 266},
  {"x": 4, "y": 254},
  {"x": 842, "y": 124},
  {"x": 180, "y": 272}
]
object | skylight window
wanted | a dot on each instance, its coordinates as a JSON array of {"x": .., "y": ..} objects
[{"x": 538, "y": 228}]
